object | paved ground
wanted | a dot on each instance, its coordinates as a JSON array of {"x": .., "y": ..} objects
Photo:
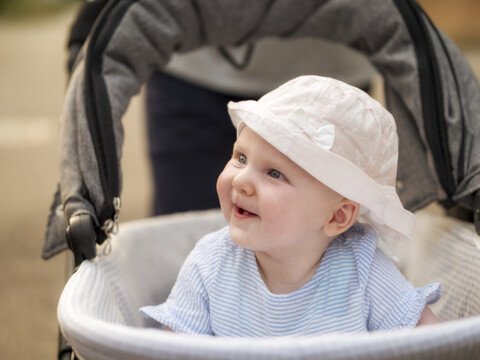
[{"x": 31, "y": 91}]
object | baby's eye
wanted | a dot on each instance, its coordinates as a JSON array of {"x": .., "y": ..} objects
[
  {"x": 242, "y": 159},
  {"x": 276, "y": 174}
]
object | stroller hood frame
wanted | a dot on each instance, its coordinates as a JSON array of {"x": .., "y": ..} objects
[{"x": 429, "y": 86}]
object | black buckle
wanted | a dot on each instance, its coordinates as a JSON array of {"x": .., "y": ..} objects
[
  {"x": 82, "y": 237},
  {"x": 476, "y": 211}
]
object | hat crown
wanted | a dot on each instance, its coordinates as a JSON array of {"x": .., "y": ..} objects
[{"x": 340, "y": 118}]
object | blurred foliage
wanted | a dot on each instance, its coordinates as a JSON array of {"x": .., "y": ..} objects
[{"x": 17, "y": 8}]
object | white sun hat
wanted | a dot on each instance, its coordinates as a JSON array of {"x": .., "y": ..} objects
[{"x": 341, "y": 136}]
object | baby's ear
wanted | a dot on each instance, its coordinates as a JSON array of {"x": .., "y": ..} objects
[{"x": 343, "y": 218}]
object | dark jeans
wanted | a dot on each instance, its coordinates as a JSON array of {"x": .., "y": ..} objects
[{"x": 190, "y": 141}]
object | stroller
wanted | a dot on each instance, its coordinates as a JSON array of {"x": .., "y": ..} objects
[{"x": 430, "y": 89}]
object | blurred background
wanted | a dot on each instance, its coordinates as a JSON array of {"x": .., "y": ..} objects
[
  {"x": 33, "y": 77},
  {"x": 32, "y": 84}
]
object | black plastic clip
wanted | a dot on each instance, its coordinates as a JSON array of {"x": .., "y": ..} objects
[
  {"x": 476, "y": 211},
  {"x": 82, "y": 237}
]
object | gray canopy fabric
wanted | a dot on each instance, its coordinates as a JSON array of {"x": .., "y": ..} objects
[{"x": 430, "y": 88}]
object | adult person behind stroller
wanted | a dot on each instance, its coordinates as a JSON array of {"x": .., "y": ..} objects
[{"x": 186, "y": 103}]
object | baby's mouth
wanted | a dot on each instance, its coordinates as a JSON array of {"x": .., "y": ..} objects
[{"x": 242, "y": 212}]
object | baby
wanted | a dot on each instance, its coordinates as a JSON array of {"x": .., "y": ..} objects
[{"x": 311, "y": 159}]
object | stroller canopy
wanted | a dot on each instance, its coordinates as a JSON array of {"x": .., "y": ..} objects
[{"x": 430, "y": 89}]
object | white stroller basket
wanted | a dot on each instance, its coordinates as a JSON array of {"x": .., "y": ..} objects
[{"x": 98, "y": 309}]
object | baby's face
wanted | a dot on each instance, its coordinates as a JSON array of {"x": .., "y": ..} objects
[{"x": 271, "y": 204}]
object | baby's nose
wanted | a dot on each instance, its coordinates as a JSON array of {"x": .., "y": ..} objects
[{"x": 243, "y": 182}]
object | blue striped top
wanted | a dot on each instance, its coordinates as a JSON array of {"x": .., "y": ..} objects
[{"x": 355, "y": 289}]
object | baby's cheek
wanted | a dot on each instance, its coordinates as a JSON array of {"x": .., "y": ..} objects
[
  {"x": 223, "y": 192},
  {"x": 274, "y": 213},
  {"x": 221, "y": 183}
]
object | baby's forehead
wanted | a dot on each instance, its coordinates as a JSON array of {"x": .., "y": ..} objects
[
  {"x": 247, "y": 139},
  {"x": 252, "y": 144},
  {"x": 269, "y": 154}
]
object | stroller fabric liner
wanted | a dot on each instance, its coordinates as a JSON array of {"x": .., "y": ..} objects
[
  {"x": 98, "y": 309},
  {"x": 430, "y": 89}
]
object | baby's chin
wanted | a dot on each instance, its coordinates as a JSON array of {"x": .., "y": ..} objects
[{"x": 241, "y": 239}]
